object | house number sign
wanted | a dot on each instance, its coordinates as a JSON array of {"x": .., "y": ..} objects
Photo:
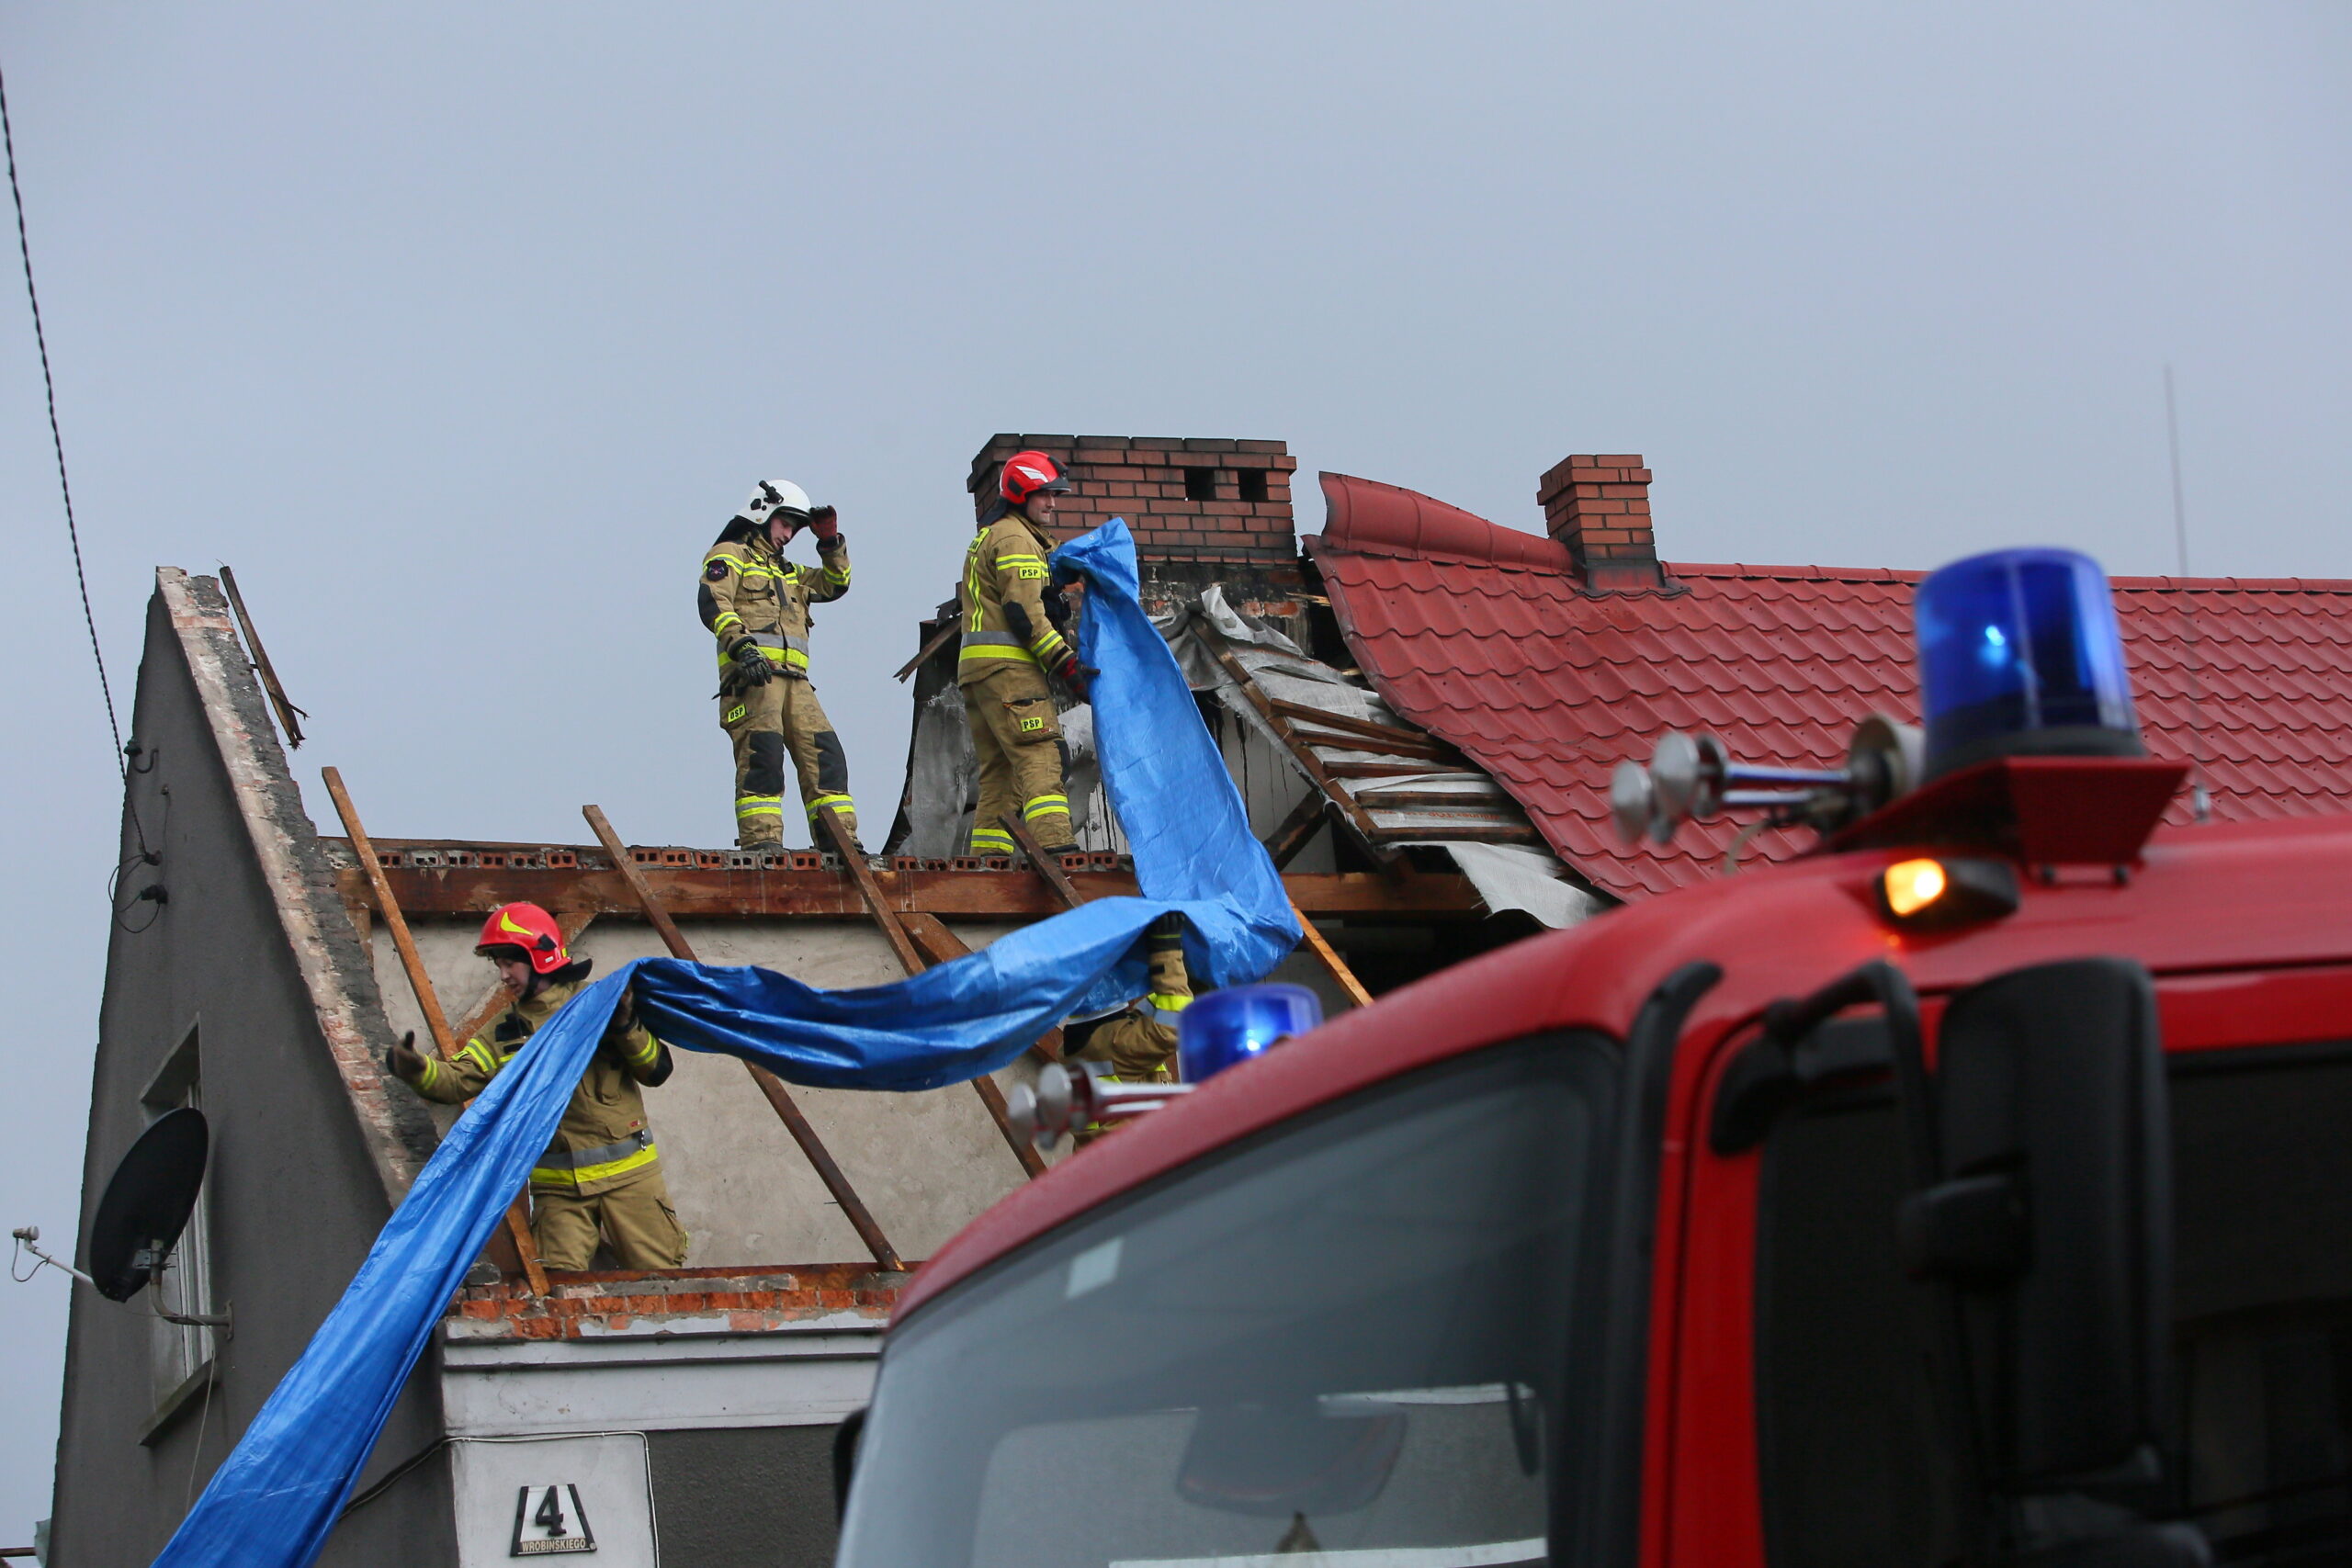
[{"x": 548, "y": 1520}]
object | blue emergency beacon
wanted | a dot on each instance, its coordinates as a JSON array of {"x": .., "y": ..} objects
[
  {"x": 2019, "y": 655},
  {"x": 1239, "y": 1022}
]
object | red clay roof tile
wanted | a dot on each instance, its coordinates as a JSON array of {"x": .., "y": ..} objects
[{"x": 1479, "y": 635}]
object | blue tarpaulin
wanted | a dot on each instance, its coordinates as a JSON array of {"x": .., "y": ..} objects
[{"x": 275, "y": 1499}]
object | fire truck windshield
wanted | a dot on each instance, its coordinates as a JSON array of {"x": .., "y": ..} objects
[{"x": 1354, "y": 1340}]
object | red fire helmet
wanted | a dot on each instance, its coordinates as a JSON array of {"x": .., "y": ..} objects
[
  {"x": 1026, "y": 473},
  {"x": 530, "y": 928}
]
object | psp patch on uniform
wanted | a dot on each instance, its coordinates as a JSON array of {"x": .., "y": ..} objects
[{"x": 714, "y": 570}]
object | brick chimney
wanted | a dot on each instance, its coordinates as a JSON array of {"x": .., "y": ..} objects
[
  {"x": 1203, "y": 510},
  {"x": 1599, "y": 508},
  {"x": 1205, "y": 499}
]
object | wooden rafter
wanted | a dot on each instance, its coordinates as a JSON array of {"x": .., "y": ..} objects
[
  {"x": 772, "y": 1088},
  {"x": 428, "y": 1002},
  {"x": 913, "y": 961}
]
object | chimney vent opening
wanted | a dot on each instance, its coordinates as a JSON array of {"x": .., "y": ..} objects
[
  {"x": 1253, "y": 486},
  {"x": 1199, "y": 484}
]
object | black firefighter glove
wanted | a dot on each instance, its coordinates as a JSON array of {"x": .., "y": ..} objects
[
  {"x": 751, "y": 666},
  {"x": 403, "y": 1060},
  {"x": 624, "y": 1019}
]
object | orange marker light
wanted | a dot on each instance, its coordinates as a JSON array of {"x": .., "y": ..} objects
[
  {"x": 1911, "y": 886},
  {"x": 1937, "y": 895}
]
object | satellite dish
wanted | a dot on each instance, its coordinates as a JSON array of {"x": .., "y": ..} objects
[{"x": 147, "y": 1204}]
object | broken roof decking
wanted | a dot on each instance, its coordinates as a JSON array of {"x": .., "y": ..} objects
[
  {"x": 1389, "y": 781},
  {"x": 1482, "y": 635}
]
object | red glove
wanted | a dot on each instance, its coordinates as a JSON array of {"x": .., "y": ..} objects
[
  {"x": 826, "y": 523},
  {"x": 1072, "y": 674}
]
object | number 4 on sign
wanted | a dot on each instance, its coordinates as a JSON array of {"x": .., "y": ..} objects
[{"x": 548, "y": 1520}]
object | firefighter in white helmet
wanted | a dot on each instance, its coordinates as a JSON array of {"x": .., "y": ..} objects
[{"x": 756, "y": 604}]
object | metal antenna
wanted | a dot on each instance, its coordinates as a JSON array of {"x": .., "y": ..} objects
[{"x": 2200, "y": 798}]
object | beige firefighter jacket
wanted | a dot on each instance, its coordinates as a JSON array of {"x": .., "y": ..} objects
[
  {"x": 750, "y": 589},
  {"x": 1006, "y": 565},
  {"x": 603, "y": 1142}
]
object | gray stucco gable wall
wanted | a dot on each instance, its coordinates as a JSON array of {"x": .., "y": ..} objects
[
  {"x": 335, "y": 969},
  {"x": 249, "y": 976}
]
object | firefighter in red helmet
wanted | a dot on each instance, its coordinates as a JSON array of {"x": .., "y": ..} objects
[
  {"x": 601, "y": 1179},
  {"x": 1010, "y": 620}
]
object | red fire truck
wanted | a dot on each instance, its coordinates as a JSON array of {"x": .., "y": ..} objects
[{"x": 1977, "y": 1188}]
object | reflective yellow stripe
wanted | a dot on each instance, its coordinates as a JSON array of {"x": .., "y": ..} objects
[
  {"x": 729, "y": 557},
  {"x": 728, "y": 621},
  {"x": 760, "y": 804},
  {"x": 431, "y": 1076},
  {"x": 832, "y": 802},
  {"x": 992, "y": 840},
  {"x": 480, "y": 1052},
  {"x": 839, "y": 577},
  {"x": 1015, "y": 558},
  {"x": 651, "y": 1053},
  {"x": 1018, "y": 655},
  {"x": 1050, "y": 647},
  {"x": 972, "y": 580},
  {"x": 1045, "y": 805},
  {"x": 574, "y": 1176}
]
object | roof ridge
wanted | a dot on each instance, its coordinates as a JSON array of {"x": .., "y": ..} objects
[
  {"x": 1792, "y": 573},
  {"x": 1373, "y": 518},
  {"x": 1899, "y": 574}
]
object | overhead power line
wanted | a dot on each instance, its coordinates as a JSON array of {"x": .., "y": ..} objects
[{"x": 57, "y": 439}]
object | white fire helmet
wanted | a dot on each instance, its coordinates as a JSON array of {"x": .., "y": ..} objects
[{"x": 777, "y": 495}]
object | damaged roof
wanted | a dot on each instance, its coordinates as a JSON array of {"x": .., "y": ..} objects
[{"x": 1489, "y": 639}]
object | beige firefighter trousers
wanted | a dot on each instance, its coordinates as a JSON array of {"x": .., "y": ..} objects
[
  {"x": 766, "y": 724},
  {"x": 1024, "y": 767},
  {"x": 636, "y": 1221},
  {"x": 1140, "y": 1050}
]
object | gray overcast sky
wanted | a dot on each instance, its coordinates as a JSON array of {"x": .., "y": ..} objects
[{"x": 458, "y": 330}]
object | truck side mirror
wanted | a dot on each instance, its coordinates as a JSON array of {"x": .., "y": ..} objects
[{"x": 2055, "y": 1218}]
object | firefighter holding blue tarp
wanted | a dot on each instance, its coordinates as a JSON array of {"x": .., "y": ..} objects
[
  {"x": 1010, "y": 640},
  {"x": 602, "y": 1176}
]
